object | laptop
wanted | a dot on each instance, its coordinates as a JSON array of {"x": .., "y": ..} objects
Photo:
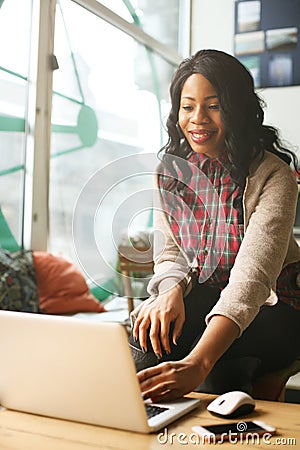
[{"x": 76, "y": 369}]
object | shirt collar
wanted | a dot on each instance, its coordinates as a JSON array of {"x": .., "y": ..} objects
[{"x": 201, "y": 160}]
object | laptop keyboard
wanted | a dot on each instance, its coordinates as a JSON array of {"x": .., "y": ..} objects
[{"x": 153, "y": 410}]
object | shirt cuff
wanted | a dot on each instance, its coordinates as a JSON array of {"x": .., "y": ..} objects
[{"x": 169, "y": 283}]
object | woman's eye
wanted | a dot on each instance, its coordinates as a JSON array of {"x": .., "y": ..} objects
[
  {"x": 187, "y": 108},
  {"x": 214, "y": 106}
]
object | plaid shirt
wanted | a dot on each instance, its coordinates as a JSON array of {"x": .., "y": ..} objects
[{"x": 206, "y": 218}]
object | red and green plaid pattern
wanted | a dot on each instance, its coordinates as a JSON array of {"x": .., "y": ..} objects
[
  {"x": 204, "y": 217},
  {"x": 287, "y": 288}
]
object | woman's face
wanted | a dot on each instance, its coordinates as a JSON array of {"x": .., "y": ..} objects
[{"x": 199, "y": 116}]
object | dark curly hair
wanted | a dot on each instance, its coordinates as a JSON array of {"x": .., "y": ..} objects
[{"x": 241, "y": 112}]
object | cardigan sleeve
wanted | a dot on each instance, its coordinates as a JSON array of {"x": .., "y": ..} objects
[
  {"x": 263, "y": 250},
  {"x": 171, "y": 266}
]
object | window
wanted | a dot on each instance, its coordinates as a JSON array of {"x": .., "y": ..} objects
[
  {"x": 15, "y": 19},
  {"x": 110, "y": 99},
  {"x": 109, "y": 102},
  {"x": 158, "y": 18}
]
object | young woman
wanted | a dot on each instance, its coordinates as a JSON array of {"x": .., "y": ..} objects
[{"x": 225, "y": 297}]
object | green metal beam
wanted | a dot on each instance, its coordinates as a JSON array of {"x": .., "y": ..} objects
[
  {"x": 15, "y": 74},
  {"x": 8, "y": 123},
  {"x": 11, "y": 170}
]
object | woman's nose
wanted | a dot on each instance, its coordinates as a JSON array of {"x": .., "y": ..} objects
[{"x": 200, "y": 116}]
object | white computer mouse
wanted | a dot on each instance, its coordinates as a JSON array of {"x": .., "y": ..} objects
[{"x": 232, "y": 404}]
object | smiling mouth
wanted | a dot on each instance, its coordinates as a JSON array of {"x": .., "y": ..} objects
[{"x": 201, "y": 137}]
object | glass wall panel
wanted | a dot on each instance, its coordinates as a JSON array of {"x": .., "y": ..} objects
[
  {"x": 159, "y": 18},
  {"x": 14, "y": 56},
  {"x": 110, "y": 101}
]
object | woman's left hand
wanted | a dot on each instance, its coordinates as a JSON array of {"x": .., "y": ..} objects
[
  {"x": 173, "y": 379},
  {"x": 170, "y": 380}
]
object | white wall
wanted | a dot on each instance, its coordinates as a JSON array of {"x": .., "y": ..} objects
[{"x": 213, "y": 27}]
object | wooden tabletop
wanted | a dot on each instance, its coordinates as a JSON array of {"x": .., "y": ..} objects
[{"x": 20, "y": 431}]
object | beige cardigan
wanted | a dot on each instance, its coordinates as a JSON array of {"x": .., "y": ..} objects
[{"x": 269, "y": 203}]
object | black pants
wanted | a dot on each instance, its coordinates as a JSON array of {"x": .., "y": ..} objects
[{"x": 271, "y": 342}]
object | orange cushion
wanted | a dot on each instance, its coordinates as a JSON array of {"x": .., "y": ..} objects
[{"x": 62, "y": 288}]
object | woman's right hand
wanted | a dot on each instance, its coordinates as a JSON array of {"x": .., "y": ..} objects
[{"x": 155, "y": 317}]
